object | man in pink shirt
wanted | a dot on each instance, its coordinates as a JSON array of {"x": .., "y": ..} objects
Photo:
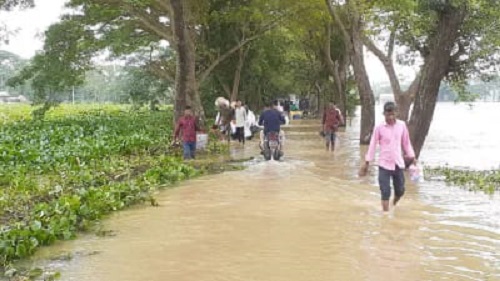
[{"x": 393, "y": 137}]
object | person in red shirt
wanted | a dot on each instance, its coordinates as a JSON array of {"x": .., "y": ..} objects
[
  {"x": 187, "y": 125},
  {"x": 332, "y": 119}
]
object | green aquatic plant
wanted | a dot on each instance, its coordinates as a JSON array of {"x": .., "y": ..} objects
[
  {"x": 62, "y": 174},
  {"x": 487, "y": 180}
]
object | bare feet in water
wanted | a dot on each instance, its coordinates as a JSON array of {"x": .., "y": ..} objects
[{"x": 395, "y": 201}]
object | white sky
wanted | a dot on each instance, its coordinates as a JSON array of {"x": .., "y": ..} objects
[
  {"x": 46, "y": 12},
  {"x": 30, "y": 22}
]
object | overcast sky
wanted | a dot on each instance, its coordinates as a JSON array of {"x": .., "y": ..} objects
[
  {"x": 34, "y": 21},
  {"x": 30, "y": 22}
]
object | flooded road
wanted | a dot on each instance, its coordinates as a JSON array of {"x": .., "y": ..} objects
[{"x": 307, "y": 218}]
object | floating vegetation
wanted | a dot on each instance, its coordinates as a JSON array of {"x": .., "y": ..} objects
[
  {"x": 60, "y": 175},
  {"x": 487, "y": 181}
]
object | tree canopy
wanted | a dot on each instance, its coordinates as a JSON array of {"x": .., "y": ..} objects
[{"x": 191, "y": 51}]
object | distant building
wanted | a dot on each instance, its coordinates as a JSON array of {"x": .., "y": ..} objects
[{"x": 5, "y": 97}]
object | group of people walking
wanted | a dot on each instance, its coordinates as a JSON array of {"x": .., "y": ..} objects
[
  {"x": 234, "y": 121},
  {"x": 392, "y": 136},
  {"x": 239, "y": 122}
]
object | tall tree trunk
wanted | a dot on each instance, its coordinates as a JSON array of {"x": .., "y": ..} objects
[
  {"x": 342, "y": 73},
  {"x": 353, "y": 39},
  {"x": 319, "y": 110},
  {"x": 435, "y": 68},
  {"x": 337, "y": 70},
  {"x": 340, "y": 83},
  {"x": 404, "y": 103},
  {"x": 403, "y": 99},
  {"x": 237, "y": 74},
  {"x": 186, "y": 88},
  {"x": 365, "y": 90}
]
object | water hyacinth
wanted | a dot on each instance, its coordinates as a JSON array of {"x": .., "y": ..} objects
[
  {"x": 60, "y": 174},
  {"x": 487, "y": 181}
]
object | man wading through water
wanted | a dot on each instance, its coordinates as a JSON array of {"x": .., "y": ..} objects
[
  {"x": 187, "y": 126},
  {"x": 332, "y": 119},
  {"x": 392, "y": 136}
]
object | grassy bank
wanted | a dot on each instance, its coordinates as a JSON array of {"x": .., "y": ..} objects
[{"x": 60, "y": 175}]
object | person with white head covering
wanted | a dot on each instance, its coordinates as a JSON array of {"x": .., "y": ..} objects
[
  {"x": 224, "y": 116},
  {"x": 221, "y": 102}
]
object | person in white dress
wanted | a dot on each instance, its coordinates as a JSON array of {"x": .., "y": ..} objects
[{"x": 249, "y": 123}]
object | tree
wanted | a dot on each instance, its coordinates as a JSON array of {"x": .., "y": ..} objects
[
  {"x": 436, "y": 66},
  {"x": 52, "y": 71},
  {"x": 186, "y": 87},
  {"x": 291, "y": 58},
  {"x": 454, "y": 39},
  {"x": 388, "y": 16},
  {"x": 125, "y": 27},
  {"x": 8, "y": 5},
  {"x": 247, "y": 21},
  {"x": 10, "y": 64},
  {"x": 248, "y": 48},
  {"x": 142, "y": 88},
  {"x": 327, "y": 48},
  {"x": 273, "y": 67},
  {"x": 353, "y": 36}
]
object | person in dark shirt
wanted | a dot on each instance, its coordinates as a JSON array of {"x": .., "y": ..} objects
[
  {"x": 272, "y": 120},
  {"x": 187, "y": 125}
]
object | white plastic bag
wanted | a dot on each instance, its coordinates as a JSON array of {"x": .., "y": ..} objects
[
  {"x": 416, "y": 173},
  {"x": 201, "y": 141}
]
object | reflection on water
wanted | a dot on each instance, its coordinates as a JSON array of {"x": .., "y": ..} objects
[{"x": 308, "y": 218}]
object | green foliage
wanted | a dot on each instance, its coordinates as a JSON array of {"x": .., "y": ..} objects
[
  {"x": 275, "y": 65},
  {"x": 136, "y": 28},
  {"x": 59, "y": 175},
  {"x": 61, "y": 65},
  {"x": 486, "y": 181},
  {"x": 352, "y": 98},
  {"x": 32, "y": 274},
  {"x": 10, "y": 65},
  {"x": 414, "y": 22},
  {"x": 128, "y": 84},
  {"x": 142, "y": 87},
  {"x": 10, "y": 4},
  {"x": 463, "y": 94}
]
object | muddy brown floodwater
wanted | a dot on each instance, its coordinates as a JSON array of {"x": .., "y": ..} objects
[{"x": 307, "y": 218}]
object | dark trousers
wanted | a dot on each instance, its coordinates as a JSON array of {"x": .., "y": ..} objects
[
  {"x": 240, "y": 134},
  {"x": 384, "y": 180}
]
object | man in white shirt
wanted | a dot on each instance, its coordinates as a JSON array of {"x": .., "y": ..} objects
[{"x": 240, "y": 116}]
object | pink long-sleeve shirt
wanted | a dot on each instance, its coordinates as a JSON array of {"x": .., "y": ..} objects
[{"x": 392, "y": 140}]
